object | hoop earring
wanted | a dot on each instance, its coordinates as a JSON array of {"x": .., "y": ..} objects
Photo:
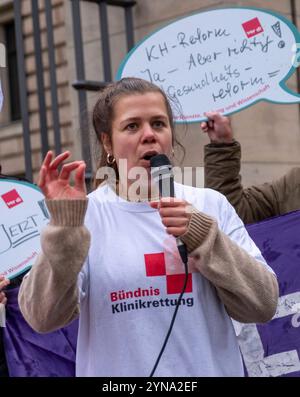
[{"x": 110, "y": 160}]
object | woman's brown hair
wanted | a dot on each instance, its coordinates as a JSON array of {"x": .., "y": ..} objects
[{"x": 103, "y": 112}]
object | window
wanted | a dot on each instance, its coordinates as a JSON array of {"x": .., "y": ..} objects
[
  {"x": 11, "y": 111},
  {"x": 12, "y": 69}
]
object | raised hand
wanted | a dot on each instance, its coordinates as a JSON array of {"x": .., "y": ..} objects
[
  {"x": 218, "y": 128},
  {"x": 175, "y": 214},
  {"x": 55, "y": 184}
]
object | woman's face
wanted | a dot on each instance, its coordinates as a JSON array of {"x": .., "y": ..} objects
[{"x": 140, "y": 129}]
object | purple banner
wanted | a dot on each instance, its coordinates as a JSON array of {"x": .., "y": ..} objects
[
  {"x": 29, "y": 353},
  {"x": 273, "y": 349}
]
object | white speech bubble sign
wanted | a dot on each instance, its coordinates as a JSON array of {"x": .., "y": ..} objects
[{"x": 220, "y": 60}]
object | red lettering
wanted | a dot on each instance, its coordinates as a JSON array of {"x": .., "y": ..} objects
[{"x": 114, "y": 296}]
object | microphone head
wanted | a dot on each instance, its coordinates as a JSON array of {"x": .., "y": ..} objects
[
  {"x": 159, "y": 160},
  {"x": 162, "y": 174}
]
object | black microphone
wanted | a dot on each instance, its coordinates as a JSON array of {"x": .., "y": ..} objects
[{"x": 162, "y": 175}]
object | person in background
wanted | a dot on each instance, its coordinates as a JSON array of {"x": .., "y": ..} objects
[
  {"x": 3, "y": 366},
  {"x": 222, "y": 164},
  {"x": 112, "y": 256}
]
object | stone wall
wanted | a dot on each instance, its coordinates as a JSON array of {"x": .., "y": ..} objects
[{"x": 11, "y": 140}]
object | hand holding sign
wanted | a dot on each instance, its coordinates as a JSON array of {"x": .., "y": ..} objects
[
  {"x": 218, "y": 128},
  {"x": 219, "y": 61}
]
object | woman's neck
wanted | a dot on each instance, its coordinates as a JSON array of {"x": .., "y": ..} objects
[{"x": 136, "y": 191}]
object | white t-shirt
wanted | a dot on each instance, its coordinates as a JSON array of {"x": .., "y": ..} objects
[{"x": 129, "y": 286}]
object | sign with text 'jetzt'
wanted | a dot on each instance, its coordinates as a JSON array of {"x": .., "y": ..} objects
[
  {"x": 23, "y": 214},
  {"x": 220, "y": 60}
]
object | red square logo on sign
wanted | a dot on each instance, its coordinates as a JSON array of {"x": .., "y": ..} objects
[
  {"x": 252, "y": 27},
  {"x": 12, "y": 198}
]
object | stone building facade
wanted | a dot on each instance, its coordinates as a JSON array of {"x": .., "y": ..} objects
[{"x": 269, "y": 133}]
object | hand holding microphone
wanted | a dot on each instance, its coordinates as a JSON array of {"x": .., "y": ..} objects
[{"x": 174, "y": 214}]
